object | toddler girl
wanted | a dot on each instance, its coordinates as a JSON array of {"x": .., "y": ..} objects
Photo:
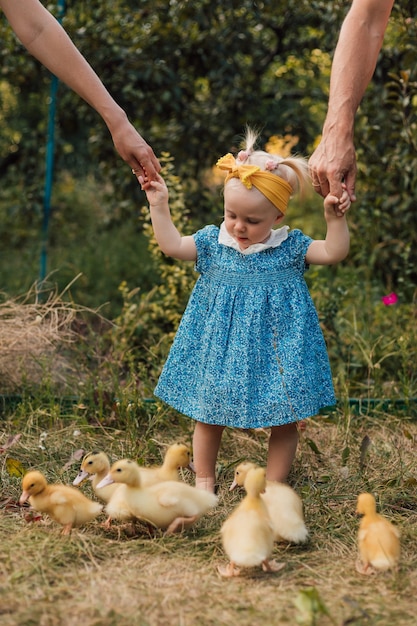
[{"x": 249, "y": 351}]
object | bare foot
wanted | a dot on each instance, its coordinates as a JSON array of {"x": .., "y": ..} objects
[{"x": 205, "y": 483}]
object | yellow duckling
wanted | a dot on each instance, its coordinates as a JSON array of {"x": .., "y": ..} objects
[
  {"x": 177, "y": 456},
  {"x": 96, "y": 466},
  {"x": 170, "y": 505},
  {"x": 247, "y": 534},
  {"x": 284, "y": 506},
  {"x": 378, "y": 538},
  {"x": 66, "y": 505}
]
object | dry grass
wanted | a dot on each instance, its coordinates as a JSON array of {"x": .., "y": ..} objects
[
  {"x": 105, "y": 578},
  {"x": 34, "y": 333}
]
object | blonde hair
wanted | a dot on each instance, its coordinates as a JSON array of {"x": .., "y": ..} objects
[{"x": 292, "y": 169}]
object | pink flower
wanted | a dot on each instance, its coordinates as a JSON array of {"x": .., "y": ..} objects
[{"x": 391, "y": 298}]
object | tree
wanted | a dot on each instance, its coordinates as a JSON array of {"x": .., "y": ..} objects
[{"x": 191, "y": 75}]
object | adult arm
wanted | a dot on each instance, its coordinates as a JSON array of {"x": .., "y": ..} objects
[
  {"x": 45, "y": 39},
  {"x": 354, "y": 62}
]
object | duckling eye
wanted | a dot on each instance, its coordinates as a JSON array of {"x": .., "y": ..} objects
[{"x": 119, "y": 469}]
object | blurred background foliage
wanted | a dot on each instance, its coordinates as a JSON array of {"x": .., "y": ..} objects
[{"x": 190, "y": 76}]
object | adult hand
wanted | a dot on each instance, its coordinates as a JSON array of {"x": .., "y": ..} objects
[
  {"x": 331, "y": 164},
  {"x": 135, "y": 151}
]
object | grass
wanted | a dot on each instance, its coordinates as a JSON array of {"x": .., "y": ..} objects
[{"x": 101, "y": 577}]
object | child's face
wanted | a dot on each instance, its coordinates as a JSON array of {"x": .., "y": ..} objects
[{"x": 248, "y": 215}]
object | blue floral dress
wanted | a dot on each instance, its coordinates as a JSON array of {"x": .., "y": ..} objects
[{"x": 249, "y": 351}]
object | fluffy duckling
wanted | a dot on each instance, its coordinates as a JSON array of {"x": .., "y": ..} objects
[
  {"x": 177, "y": 456},
  {"x": 96, "y": 466},
  {"x": 170, "y": 505},
  {"x": 66, "y": 505},
  {"x": 247, "y": 534},
  {"x": 378, "y": 538},
  {"x": 284, "y": 505}
]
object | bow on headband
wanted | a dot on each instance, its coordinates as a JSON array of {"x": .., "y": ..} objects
[{"x": 273, "y": 187}]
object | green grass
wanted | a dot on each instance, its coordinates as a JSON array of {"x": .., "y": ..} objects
[{"x": 105, "y": 577}]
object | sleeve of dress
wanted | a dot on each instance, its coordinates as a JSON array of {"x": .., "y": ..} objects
[
  {"x": 206, "y": 241},
  {"x": 300, "y": 243}
]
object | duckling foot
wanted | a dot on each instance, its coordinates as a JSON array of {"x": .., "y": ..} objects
[
  {"x": 364, "y": 568},
  {"x": 66, "y": 529},
  {"x": 179, "y": 524},
  {"x": 272, "y": 566},
  {"x": 229, "y": 570}
]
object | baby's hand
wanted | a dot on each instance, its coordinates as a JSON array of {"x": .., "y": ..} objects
[
  {"x": 338, "y": 206},
  {"x": 156, "y": 190}
]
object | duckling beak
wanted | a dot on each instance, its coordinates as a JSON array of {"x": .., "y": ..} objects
[
  {"x": 191, "y": 466},
  {"x": 107, "y": 480},
  {"x": 24, "y": 497},
  {"x": 82, "y": 475},
  {"x": 233, "y": 485}
]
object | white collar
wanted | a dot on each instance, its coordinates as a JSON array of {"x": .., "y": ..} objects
[{"x": 274, "y": 240}]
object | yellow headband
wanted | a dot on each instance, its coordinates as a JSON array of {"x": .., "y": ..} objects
[{"x": 273, "y": 187}]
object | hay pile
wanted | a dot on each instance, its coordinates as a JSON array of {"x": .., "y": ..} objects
[{"x": 32, "y": 335}]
